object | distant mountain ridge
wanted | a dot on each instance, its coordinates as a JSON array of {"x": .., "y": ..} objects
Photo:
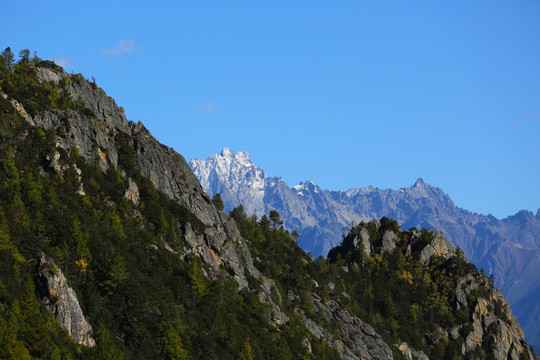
[{"x": 508, "y": 248}]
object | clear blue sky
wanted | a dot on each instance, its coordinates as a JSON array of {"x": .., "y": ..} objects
[{"x": 344, "y": 93}]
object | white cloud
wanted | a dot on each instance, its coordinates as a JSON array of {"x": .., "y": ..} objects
[
  {"x": 125, "y": 46},
  {"x": 209, "y": 108}
]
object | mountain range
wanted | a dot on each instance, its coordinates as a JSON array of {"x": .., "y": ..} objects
[{"x": 509, "y": 249}]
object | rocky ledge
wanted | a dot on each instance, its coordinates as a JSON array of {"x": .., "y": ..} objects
[{"x": 60, "y": 299}]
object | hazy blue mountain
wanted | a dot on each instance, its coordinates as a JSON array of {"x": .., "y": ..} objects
[{"x": 507, "y": 248}]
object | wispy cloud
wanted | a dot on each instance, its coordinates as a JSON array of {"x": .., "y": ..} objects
[
  {"x": 209, "y": 108},
  {"x": 64, "y": 62},
  {"x": 529, "y": 115},
  {"x": 125, "y": 46}
]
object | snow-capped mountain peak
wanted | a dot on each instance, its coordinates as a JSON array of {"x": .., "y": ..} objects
[
  {"x": 234, "y": 176},
  {"x": 226, "y": 152},
  {"x": 308, "y": 186}
]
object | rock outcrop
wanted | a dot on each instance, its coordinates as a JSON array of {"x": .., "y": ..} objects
[
  {"x": 358, "y": 340},
  {"x": 388, "y": 241},
  {"x": 490, "y": 327},
  {"x": 412, "y": 354},
  {"x": 363, "y": 342},
  {"x": 60, "y": 299},
  {"x": 492, "y": 319},
  {"x": 439, "y": 246},
  {"x": 362, "y": 239}
]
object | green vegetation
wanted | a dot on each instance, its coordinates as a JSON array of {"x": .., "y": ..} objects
[
  {"x": 218, "y": 202},
  {"x": 19, "y": 81}
]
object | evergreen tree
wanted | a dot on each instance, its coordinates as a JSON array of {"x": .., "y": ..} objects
[
  {"x": 275, "y": 219},
  {"x": 24, "y": 57},
  {"x": 8, "y": 56},
  {"x": 247, "y": 352},
  {"x": 173, "y": 343},
  {"x": 295, "y": 235},
  {"x": 218, "y": 202},
  {"x": 265, "y": 223}
]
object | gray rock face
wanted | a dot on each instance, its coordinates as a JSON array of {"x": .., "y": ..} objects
[
  {"x": 412, "y": 354},
  {"x": 503, "y": 330},
  {"x": 388, "y": 241},
  {"x": 92, "y": 141},
  {"x": 104, "y": 107},
  {"x": 358, "y": 339},
  {"x": 270, "y": 295},
  {"x": 50, "y": 76},
  {"x": 439, "y": 246},
  {"x": 60, "y": 299},
  {"x": 132, "y": 192},
  {"x": 364, "y": 341},
  {"x": 18, "y": 107},
  {"x": 508, "y": 248},
  {"x": 362, "y": 239}
]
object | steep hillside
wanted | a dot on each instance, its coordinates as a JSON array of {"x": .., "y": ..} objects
[
  {"x": 110, "y": 248},
  {"x": 509, "y": 248}
]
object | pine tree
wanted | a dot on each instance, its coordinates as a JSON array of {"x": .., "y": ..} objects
[
  {"x": 173, "y": 344},
  {"x": 275, "y": 219},
  {"x": 218, "y": 202},
  {"x": 8, "y": 56},
  {"x": 247, "y": 352}
]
